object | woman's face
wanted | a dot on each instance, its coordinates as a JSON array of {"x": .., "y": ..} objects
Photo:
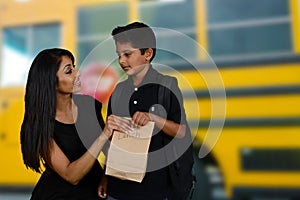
[{"x": 68, "y": 77}]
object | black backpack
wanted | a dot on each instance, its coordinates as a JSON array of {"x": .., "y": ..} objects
[{"x": 180, "y": 170}]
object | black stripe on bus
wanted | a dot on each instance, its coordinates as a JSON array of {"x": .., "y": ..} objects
[
  {"x": 246, "y": 122},
  {"x": 264, "y": 192},
  {"x": 270, "y": 159},
  {"x": 241, "y": 92},
  {"x": 266, "y": 61},
  {"x": 233, "y": 63}
]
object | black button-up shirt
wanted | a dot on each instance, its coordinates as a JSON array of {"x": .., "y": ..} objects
[{"x": 144, "y": 98}]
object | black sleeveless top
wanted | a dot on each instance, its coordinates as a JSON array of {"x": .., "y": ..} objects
[{"x": 74, "y": 140}]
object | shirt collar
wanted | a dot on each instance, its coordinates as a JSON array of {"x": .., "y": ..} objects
[{"x": 149, "y": 78}]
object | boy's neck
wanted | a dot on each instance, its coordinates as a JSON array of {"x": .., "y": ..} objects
[{"x": 139, "y": 77}]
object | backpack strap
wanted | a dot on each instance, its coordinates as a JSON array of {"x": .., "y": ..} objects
[
  {"x": 178, "y": 175},
  {"x": 164, "y": 92}
]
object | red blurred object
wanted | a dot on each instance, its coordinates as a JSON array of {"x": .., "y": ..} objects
[{"x": 98, "y": 81}]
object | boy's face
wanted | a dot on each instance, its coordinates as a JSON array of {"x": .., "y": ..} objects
[{"x": 131, "y": 60}]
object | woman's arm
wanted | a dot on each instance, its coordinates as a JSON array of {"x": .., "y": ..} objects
[{"x": 74, "y": 171}]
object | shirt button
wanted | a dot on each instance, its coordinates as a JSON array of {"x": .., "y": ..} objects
[
  {"x": 134, "y": 102},
  {"x": 136, "y": 89}
]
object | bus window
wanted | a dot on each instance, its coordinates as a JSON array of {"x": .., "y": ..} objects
[
  {"x": 161, "y": 15},
  {"x": 238, "y": 29},
  {"x": 20, "y": 45},
  {"x": 94, "y": 25}
]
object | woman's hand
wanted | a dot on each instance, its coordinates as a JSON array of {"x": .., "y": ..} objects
[{"x": 118, "y": 123}]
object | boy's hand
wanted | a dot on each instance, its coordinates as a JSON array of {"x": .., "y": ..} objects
[
  {"x": 102, "y": 188},
  {"x": 140, "y": 118}
]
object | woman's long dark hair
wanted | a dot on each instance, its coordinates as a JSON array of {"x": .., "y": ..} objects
[{"x": 40, "y": 107}]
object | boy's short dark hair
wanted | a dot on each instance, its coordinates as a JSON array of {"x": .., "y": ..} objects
[{"x": 140, "y": 36}]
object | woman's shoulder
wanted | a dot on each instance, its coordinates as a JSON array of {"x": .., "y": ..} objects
[{"x": 82, "y": 99}]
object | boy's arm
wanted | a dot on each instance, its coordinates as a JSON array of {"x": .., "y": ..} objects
[
  {"x": 169, "y": 127},
  {"x": 173, "y": 120}
]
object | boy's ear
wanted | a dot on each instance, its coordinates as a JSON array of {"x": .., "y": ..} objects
[{"x": 149, "y": 54}]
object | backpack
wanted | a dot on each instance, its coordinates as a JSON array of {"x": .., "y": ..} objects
[{"x": 180, "y": 170}]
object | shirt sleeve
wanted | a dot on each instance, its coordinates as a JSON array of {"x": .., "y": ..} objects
[
  {"x": 109, "y": 111},
  {"x": 98, "y": 107}
]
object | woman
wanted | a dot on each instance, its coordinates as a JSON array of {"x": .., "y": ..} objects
[{"x": 62, "y": 132}]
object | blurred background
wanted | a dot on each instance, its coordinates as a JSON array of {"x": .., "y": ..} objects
[{"x": 247, "y": 48}]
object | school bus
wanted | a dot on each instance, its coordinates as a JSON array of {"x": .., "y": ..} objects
[{"x": 238, "y": 70}]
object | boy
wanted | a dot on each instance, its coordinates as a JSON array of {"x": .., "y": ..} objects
[{"x": 138, "y": 97}]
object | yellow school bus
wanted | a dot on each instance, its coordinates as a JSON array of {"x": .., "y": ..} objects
[{"x": 239, "y": 73}]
